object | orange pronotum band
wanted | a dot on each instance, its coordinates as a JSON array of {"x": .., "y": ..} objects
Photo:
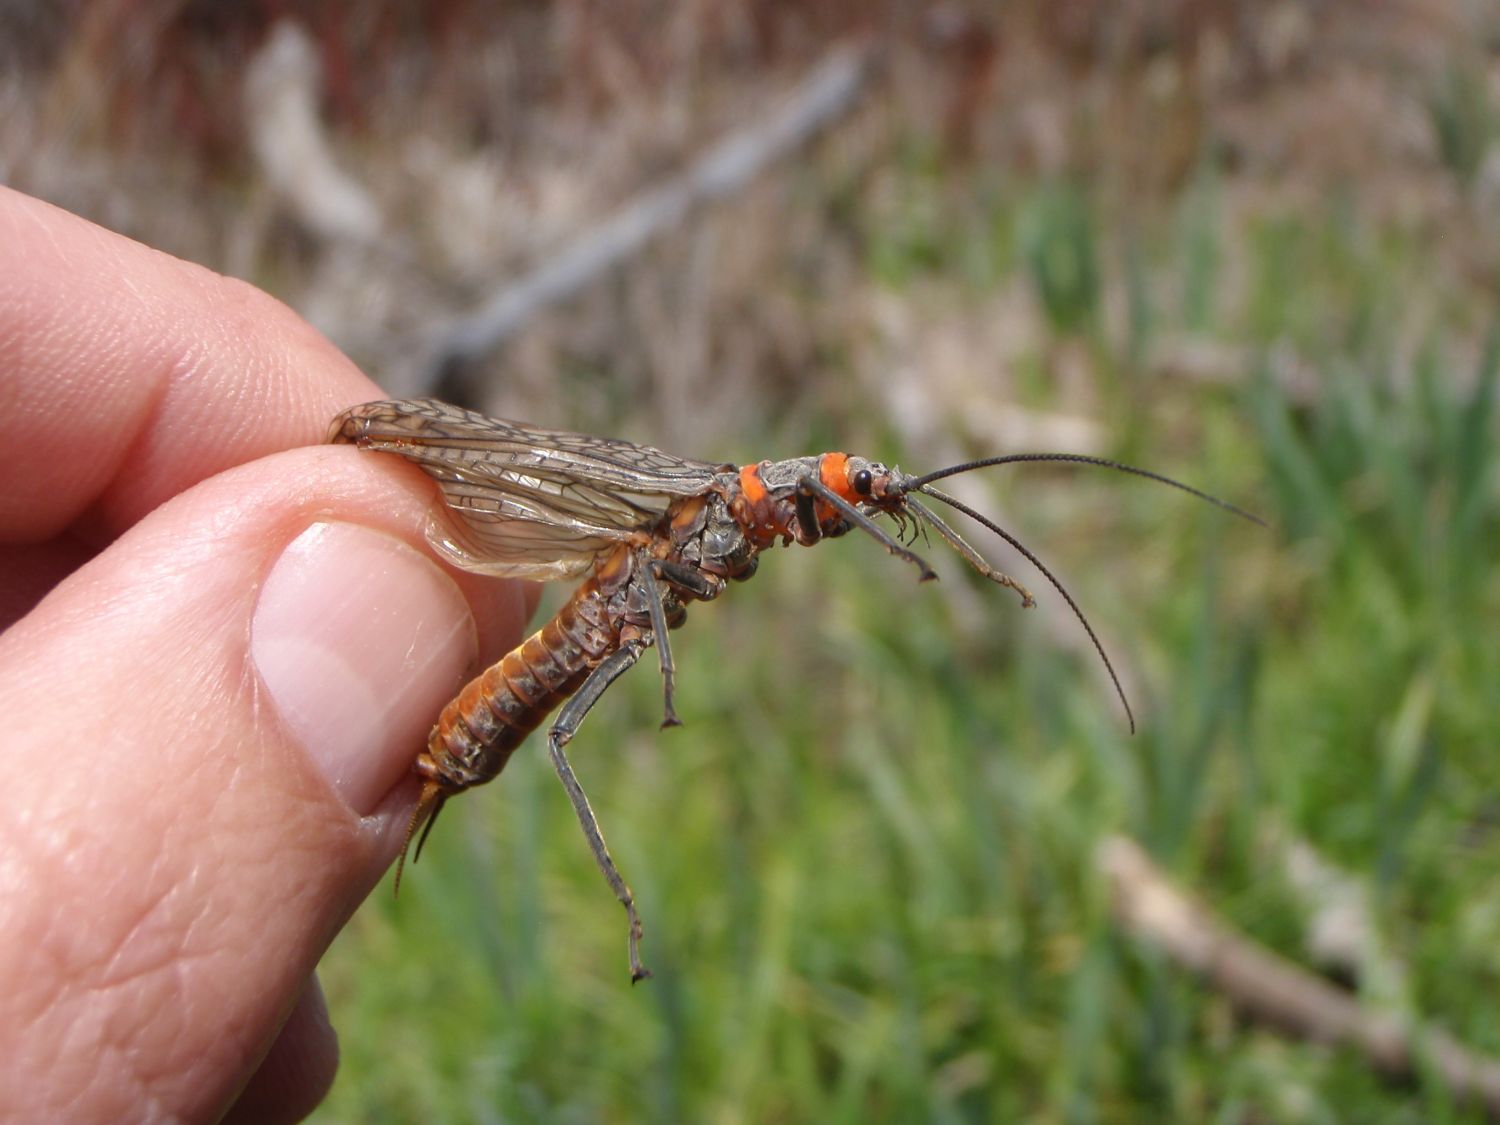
[
  {"x": 833, "y": 468},
  {"x": 752, "y": 486}
]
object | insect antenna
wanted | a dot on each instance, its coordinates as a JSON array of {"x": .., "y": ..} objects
[
  {"x": 923, "y": 484},
  {"x": 1026, "y": 552},
  {"x": 918, "y": 483}
]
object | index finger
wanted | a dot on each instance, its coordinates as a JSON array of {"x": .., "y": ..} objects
[{"x": 129, "y": 375}]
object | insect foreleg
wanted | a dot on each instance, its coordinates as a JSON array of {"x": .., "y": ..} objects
[
  {"x": 810, "y": 486},
  {"x": 562, "y": 732},
  {"x": 807, "y": 516},
  {"x": 663, "y": 646},
  {"x": 926, "y": 515}
]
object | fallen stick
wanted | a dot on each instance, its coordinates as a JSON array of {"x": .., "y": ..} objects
[
  {"x": 1268, "y": 987},
  {"x": 725, "y": 169}
]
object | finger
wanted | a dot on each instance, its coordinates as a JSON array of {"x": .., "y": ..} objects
[
  {"x": 297, "y": 1071},
  {"x": 128, "y": 375},
  {"x": 205, "y": 723}
]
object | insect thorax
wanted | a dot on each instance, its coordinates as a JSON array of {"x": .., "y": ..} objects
[
  {"x": 781, "y": 477},
  {"x": 706, "y": 536}
]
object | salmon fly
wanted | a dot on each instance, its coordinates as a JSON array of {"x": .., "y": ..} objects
[{"x": 649, "y": 533}]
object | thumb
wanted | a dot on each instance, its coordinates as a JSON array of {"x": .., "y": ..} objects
[{"x": 208, "y": 722}]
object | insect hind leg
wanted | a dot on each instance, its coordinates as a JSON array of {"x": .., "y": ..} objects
[{"x": 560, "y": 735}]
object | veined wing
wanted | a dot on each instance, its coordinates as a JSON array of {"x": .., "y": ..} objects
[{"x": 529, "y": 502}]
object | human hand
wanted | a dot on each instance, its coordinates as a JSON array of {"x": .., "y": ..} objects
[{"x": 223, "y": 645}]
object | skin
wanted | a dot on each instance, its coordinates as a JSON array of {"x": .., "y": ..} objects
[{"x": 223, "y": 643}]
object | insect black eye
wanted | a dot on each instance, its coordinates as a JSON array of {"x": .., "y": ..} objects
[{"x": 863, "y": 482}]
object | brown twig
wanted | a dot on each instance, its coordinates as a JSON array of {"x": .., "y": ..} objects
[
  {"x": 825, "y": 95},
  {"x": 1266, "y": 986}
]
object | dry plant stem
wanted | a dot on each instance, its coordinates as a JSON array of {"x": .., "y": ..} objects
[
  {"x": 1268, "y": 987},
  {"x": 283, "y": 87},
  {"x": 824, "y": 96}
]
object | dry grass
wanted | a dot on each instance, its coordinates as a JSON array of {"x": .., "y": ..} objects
[{"x": 484, "y": 141}]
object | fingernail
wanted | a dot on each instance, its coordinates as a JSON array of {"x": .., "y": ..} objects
[{"x": 360, "y": 640}]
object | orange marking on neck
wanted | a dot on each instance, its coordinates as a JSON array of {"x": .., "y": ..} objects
[
  {"x": 833, "y": 468},
  {"x": 758, "y": 515},
  {"x": 752, "y": 486}
]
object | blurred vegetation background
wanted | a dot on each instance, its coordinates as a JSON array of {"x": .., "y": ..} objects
[{"x": 1253, "y": 245}]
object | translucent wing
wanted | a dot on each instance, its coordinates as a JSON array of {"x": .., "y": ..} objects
[{"x": 528, "y": 502}]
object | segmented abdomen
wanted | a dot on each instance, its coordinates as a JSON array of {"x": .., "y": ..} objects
[{"x": 476, "y": 733}]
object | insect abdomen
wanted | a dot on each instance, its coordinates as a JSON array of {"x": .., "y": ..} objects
[{"x": 476, "y": 733}]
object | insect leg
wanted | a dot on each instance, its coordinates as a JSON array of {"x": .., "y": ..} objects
[
  {"x": 562, "y": 732},
  {"x": 926, "y": 515},
  {"x": 811, "y": 486},
  {"x": 663, "y": 646},
  {"x": 807, "y": 518},
  {"x": 689, "y": 578}
]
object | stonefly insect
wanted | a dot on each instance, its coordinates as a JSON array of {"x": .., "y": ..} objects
[{"x": 651, "y": 532}]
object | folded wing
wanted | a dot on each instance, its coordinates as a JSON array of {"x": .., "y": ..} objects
[{"x": 524, "y": 501}]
